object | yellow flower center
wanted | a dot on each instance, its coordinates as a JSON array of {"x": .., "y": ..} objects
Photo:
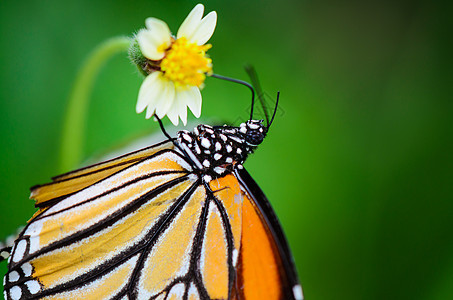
[{"x": 186, "y": 63}]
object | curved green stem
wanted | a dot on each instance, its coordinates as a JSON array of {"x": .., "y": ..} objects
[{"x": 77, "y": 108}]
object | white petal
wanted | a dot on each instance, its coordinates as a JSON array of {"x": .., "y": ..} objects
[
  {"x": 149, "y": 45},
  {"x": 173, "y": 112},
  {"x": 149, "y": 88},
  {"x": 150, "y": 112},
  {"x": 151, "y": 39},
  {"x": 191, "y": 22},
  {"x": 166, "y": 93},
  {"x": 164, "y": 104},
  {"x": 173, "y": 115},
  {"x": 181, "y": 103},
  {"x": 194, "y": 101},
  {"x": 205, "y": 30},
  {"x": 183, "y": 114}
]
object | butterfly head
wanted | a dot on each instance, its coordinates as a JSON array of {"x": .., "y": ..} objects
[{"x": 253, "y": 132}]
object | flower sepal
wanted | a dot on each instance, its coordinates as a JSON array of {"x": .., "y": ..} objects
[{"x": 143, "y": 64}]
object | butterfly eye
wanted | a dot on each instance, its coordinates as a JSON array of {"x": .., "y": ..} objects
[{"x": 254, "y": 137}]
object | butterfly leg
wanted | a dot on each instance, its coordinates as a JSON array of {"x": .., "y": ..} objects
[{"x": 173, "y": 140}]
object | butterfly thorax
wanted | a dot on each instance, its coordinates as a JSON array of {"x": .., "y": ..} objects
[{"x": 216, "y": 151}]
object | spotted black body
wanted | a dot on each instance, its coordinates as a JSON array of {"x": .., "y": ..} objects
[{"x": 216, "y": 151}]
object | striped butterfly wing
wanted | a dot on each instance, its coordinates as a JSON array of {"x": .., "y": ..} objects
[
  {"x": 149, "y": 231},
  {"x": 153, "y": 225},
  {"x": 71, "y": 182},
  {"x": 61, "y": 186},
  {"x": 94, "y": 243}
]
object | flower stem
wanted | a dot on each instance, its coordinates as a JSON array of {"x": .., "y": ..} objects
[{"x": 72, "y": 142}]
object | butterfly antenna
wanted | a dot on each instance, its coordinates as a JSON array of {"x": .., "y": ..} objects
[
  {"x": 257, "y": 86},
  {"x": 275, "y": 111},
  {"x": 244, "y": 83}
]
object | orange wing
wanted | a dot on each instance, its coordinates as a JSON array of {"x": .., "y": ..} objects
[
  {"x": 261, "y": 262},
  {"x": 265, "y": 267}
]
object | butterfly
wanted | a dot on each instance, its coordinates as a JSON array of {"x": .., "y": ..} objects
[{"x": 181, "y": 219}]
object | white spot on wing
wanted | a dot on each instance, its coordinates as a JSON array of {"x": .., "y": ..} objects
[
  {"x": 27, "y": 269},
  {"x": 235, "y": 257},
  {"x": 4, "y": 254},
  {"x": 20, "y": 251},
  {"x": 15, "y": 292},
  {"x": 13, "y": 276},
  {"x": 207, "y": 178},
  {"x": 297, "y": 291},
  {"x": 228, "y": 160},
  {"x": 33, "y": 286},
  {"x": 218, "y": 146},
  {"x": 177, "y": 291},
  {"x": 229, "y": 148},
  {"x": 217, "y": 156}
]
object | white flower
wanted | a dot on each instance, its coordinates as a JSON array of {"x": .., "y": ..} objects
[{"x": 177, "y": 66}]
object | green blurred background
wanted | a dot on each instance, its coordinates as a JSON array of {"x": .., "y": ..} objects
[{"x": 358, "y": 164}]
